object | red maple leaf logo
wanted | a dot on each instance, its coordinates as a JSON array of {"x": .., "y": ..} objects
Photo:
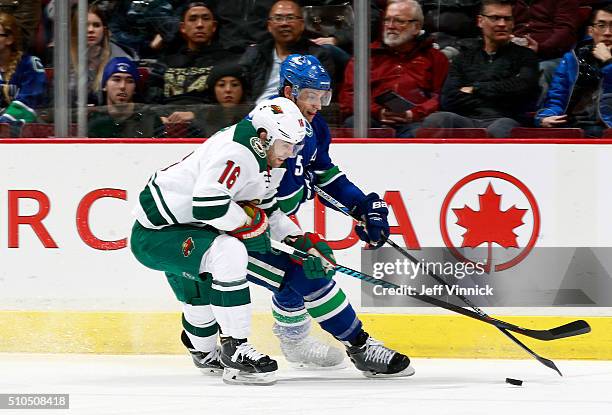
[{"x": 490, "y": 224}]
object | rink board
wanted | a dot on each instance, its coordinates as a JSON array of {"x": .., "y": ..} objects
[
  {"x": 415, "y": 335},
  {"x": 77, "y": 258}
]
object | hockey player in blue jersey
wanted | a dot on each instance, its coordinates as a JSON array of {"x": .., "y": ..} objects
[{"x": 308, "y": 291}]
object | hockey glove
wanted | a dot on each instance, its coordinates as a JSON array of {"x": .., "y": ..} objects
[
  {"x": 256, "y": 234},
  {"x": 374, "y": 228},
  {"x": 321, "y": 263}
]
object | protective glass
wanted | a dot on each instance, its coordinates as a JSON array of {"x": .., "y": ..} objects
[{"x": 315, "y": 96}]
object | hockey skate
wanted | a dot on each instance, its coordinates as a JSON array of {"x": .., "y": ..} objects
[
  {"x": 208, "y": 363},
  {"x": 377, "y": 361},
  {"x": 303, "y": 351},
  {"x": 245, "y": 365},
  {"x": 310, "y": 353}
]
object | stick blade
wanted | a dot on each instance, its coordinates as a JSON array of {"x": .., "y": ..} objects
[{"x": 575, "y": 328}]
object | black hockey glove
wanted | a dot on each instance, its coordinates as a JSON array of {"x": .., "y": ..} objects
[{"x": 374, "y": 228}]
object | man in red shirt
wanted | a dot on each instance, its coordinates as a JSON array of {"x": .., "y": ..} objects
[{"x": 406, "y": 62}]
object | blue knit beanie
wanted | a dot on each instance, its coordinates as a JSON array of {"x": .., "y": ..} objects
[{"x": 120, "y": 65}]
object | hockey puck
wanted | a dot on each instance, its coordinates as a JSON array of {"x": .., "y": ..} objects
[{"x": 516, "y": 382}]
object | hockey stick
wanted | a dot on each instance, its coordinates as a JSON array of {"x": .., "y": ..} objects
[
  {"x": 501, "y": 325},
  {"x": 574, "y": 328}
]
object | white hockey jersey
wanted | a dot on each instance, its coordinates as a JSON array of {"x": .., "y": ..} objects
[{"x": 205, "y": 186}]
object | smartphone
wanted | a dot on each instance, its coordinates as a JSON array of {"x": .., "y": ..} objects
[{"x": 393, "y": 101}]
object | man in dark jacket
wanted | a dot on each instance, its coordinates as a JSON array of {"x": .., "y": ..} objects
[
  {"x": 490, "y": 86},
  {"x": 180, "y": 77},
  {"x": 262, "y": 61},
  {"x": 581, "y": 90},
  {"x": 405, "y": 62},
  {"x": 243, "y": 23}
]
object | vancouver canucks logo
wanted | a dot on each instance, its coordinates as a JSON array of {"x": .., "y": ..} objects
[
  {"x": 188, "y": 247},
  {"x": 258, "y": 147},
  {"x": 276, "y": 109},
  {"x": 308, "y": 129}
]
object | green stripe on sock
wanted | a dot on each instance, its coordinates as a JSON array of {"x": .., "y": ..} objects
[
  {"x": 327, "y": 306},
  {"x": 200, "y": 331},
  {"x": 230, "y": 298},
  {"x": 289, "y": 319}
]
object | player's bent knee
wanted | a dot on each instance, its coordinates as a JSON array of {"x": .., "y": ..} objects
[{"x": 227, "y": 258}]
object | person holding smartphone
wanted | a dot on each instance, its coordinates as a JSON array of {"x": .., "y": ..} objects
[
  {"x": 404, "y": 63},
  {"x": 580, "y": 91}
]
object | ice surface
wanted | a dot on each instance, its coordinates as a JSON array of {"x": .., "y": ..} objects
[{"x": 170, "y": 385}]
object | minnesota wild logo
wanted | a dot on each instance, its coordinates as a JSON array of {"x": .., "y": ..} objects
[
  {"x": 276, "y": 109},
  {"x": 188, "y": 247},
  {"x": 258, "y": 147}
]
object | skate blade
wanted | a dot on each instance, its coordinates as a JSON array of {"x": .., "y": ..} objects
[
  {"x": 237, "y": 377},
  {"x": 409, "y": 371},
  {"x": 315, "y": 367},
  {"x": 209, "y": 371}
]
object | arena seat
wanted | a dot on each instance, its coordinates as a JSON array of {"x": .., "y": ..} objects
[
  {"x": 177, "y": 130},
  {"x": 372, "y": 132},
  {"x": 607, "y": 133},
  {"x": 5, "y": 131},
  {"x": 451, "y": 133},
  {"x": 521, "y": 132},
  {"x": 39, "y": 130}
]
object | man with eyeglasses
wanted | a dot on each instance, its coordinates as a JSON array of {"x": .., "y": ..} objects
[
  {"x": 492, "y": 85},
  {"x": 579, "y": 94},
  {"x": 262, "y": 61},
  {"x": 405, "y": 62}
]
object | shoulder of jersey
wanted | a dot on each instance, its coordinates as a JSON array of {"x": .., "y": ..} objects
[{"x": 246, "y": 136}]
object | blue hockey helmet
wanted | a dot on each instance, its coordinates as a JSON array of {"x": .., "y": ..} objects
[{"x": 305, "y": 72}]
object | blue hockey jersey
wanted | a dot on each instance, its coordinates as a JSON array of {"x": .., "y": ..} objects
[
  {"x": 313, "y": 166},
  {"x": 26, "y": 90}
]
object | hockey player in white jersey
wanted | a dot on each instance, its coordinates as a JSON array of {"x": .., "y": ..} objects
[{"x": 197, "y": 219}]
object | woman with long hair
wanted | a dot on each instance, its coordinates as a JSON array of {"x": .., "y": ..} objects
[
  {"x": 22, "y": 77},
  {"x": 100, "y": 50}
]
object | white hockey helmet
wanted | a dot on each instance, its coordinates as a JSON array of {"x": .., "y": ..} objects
[{"x": 281, "y": 119}]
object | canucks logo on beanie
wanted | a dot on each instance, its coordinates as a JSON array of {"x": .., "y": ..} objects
[{"x": 120, "y": 65}]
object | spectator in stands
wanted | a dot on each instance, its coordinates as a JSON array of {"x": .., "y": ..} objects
[
  {"x": 121, "y": 116},
  {"x": 146, "y": 26},
  {"x": 244, "y": 22},
  {"x": 228, "y": 88},
  {"x": 579, "y": 94},
  {"x": 179, "y": 79},
  {"x": 549, "y": 28},
  {"x": 22, "y": 77},
  {"x": 27, "y": 13},
  {"x": 404, "y": 61},
  {"x": 262, "y": 61},
  {"x": 451, "y": 23},
  {"x": 100, "y": 50},
  {"x": 490, "y": 86},
  {"x": 337, "y": 34}
]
